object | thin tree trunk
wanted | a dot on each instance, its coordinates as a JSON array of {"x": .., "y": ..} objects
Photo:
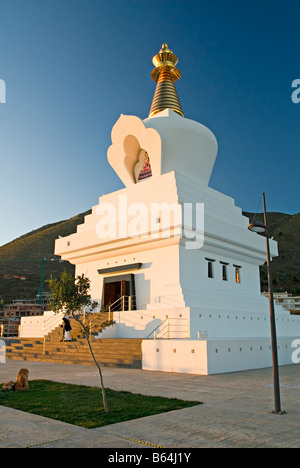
[
  {"x": 100, "y": 375},
  {"x": 86, "y": 334}
]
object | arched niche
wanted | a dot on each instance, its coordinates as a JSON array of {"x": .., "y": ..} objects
[
  {"x": 136, "y": 159},
  {"x": 135, "y": 153}
]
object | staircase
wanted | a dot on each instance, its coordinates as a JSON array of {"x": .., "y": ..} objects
[{"x": 126, "y": 353}]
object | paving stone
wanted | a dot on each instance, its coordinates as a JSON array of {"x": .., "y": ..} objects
[{"x": 235, "y": 411}]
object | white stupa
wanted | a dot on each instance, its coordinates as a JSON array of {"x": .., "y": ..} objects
[{"x": 172, "y": 256}]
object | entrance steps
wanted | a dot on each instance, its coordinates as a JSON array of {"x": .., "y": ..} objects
[
  {"x": 125, "y": 353},
  {"x": 108, "y": 352}
]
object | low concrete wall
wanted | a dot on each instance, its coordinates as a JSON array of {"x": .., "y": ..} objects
[
  {"x": 183, "y": 356},
  {"x": 40, "y": 325},
  {"x": 206, "y": 357}
]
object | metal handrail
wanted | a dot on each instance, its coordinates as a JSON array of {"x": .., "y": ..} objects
[
  {"x": 113, "y": 306},
  {"x": 52, "y": 321},
  {"x": 122, "y": 304},
  {"x": 169, "y": 330},
  {"x": 156, "y": 328},
  {"x": 167, "y": 300},
  {"x": 165, "y": 331},
  {"x": 166, "y": 326}
]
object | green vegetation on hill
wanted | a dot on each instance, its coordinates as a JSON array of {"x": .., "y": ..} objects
[
  {"x": 285, "y": 229},
  {"x": 23, "y": 256}
]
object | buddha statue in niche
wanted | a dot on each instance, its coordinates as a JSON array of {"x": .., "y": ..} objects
[{"x": 142, "y": 169}]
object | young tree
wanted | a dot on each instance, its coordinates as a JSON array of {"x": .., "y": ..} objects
[{"x": 70, "y": 297}]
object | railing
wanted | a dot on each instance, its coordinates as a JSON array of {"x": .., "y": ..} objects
[
  {"x": 51, "y": 323},
  {"x": 88, "y": 322},
  {"x": 171, "y": 328},
  {"x": 166, "y": 300},
  {"x": 122, "y": 304},
  {"x": 127, "y": 303}
]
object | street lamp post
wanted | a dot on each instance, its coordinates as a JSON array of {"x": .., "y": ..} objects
[{"x": 259, "y": 227}]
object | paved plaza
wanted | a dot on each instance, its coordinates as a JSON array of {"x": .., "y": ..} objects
[{"x": 235, "y": 411}]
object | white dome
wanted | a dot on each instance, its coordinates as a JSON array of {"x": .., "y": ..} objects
[
  {"x": 172, "y": 143},
  {"x": 188, "y": 147}
]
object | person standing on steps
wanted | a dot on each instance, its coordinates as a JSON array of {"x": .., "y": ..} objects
[{"x": 66, "y": 329}]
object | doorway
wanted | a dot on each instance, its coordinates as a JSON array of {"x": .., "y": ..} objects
[{"x": 116, "y": 287}]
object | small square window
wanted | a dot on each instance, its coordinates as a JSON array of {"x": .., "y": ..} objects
[
  {"x": 237, "y": 274},
  {"x": 210, "y": 270}
]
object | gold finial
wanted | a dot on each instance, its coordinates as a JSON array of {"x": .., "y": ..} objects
[{"x": 165, "y": 74}]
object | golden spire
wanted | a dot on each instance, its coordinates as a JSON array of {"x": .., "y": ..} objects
[{"x": 165, "y": 74}]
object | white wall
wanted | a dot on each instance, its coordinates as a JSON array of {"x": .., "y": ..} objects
[
  {"x": 185, "y": 356},
  {"x": 238, "y": 355},
  {"x": 172, "y": 323},
  {"x": 156, "y": 281},
  {"x": 213, "y": 356},
  {"x": 39, "y": 326},
  {"x": 243, "y": 323},
  {"x": 32, "y": 327}
]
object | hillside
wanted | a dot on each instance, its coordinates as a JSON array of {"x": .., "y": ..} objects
[
  {"x": 285, "y": 229},
  {"x": 22, "y": 258}
]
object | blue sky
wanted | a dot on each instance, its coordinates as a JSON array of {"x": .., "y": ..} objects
[{"x": 71, "y": 67}]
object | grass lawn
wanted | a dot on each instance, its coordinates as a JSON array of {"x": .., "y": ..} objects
[{"x": 82, "y": 406}]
